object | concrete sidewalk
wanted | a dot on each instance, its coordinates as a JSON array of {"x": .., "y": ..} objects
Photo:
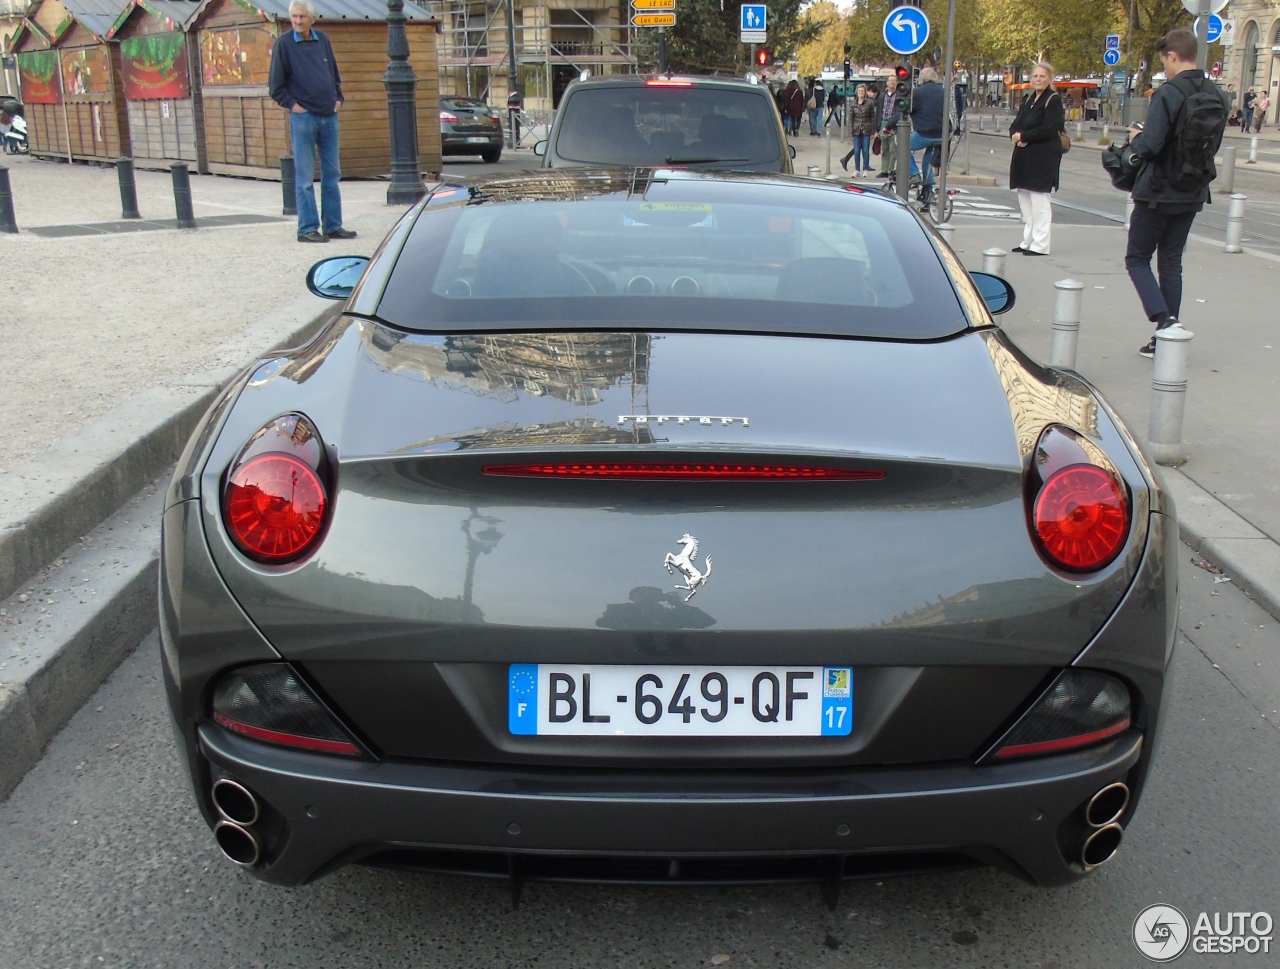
[{"x": 114, "y": 345}]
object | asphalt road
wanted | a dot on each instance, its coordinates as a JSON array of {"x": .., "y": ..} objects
[
  {"x": 1085, "y": 188},
  {"x": 105, "y": 863}
]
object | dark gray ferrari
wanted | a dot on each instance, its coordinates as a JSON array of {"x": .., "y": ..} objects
[{"x": 661, "y": 526}]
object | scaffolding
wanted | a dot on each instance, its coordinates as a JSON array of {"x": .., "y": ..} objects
[{"x": 555, "y": 42}]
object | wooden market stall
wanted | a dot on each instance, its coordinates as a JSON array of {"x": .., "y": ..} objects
[
  {"x": 245, "y": 132},
  {"x": 75, "y": 78},
  {"x": 159, "y": 61}
]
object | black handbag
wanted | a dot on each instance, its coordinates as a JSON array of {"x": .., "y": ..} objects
[{"x": 1121, "y": 164}]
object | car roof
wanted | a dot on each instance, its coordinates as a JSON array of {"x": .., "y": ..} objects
[
  {"x": 643, "y": 80},
  {"x": 569, "y": 184}
]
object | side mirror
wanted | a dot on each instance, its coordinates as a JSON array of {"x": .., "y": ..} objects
[
  {"x": 995, "y": 292},
  {"x": 793, "y": 150},
  {"x": 336, "y": 278},
  {"x": 540, "y": 149}
]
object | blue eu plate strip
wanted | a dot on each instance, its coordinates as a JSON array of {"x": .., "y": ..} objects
[
  {"x": 837, "y": 701},
  {"x": 522, "y": 703}
]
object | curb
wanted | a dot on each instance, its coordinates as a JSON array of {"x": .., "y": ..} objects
[
  {"x": 1250, "y": 557},
  {"x": 62, "y": 493},
  {"x": 81, "y": 543}
]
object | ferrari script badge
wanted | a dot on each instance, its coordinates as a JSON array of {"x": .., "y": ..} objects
[{"x": 684, "y": 563}]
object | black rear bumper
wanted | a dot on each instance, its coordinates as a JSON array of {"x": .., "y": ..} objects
[{"x": 324, "y": 812}]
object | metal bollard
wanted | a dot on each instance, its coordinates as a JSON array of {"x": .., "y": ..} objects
[
  {"x": 1079, "y": 131},
  {"x": 1253, "y": 151},
  {"x": 1228, "y": 174},
  {"x": 965, "y": 170},
  {"x": 993, "y": 261},
  {"x": 1066, "y": 323},
  {"x": 182, "y": 195},
  {"x": 1169, "y": 395},
  {"x": 981, "y": 123},
  {"x": 1235, "y": 224},
  {"x": 128, "y": 189},
  {"x": 826, "y": 136},
  {"x": 814, "y": 171},
  {"x": 948, "y": 233},
  {"x": 7, "y": 222},
  {"x": 288, "y": 185},
  {"x": 1128, "y": 212}
]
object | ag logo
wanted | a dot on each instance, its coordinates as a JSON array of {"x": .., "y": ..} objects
[{"x": 1161, "y": 933}]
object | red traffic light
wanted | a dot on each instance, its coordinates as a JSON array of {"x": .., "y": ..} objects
[
  {"x": 763, "y": 57},
  {"x": 904, "y": 73}
]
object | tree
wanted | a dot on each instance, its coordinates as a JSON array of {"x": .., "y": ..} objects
[
  {"x": 831, "y": 31},
  {"x": 705, "y": 37}
]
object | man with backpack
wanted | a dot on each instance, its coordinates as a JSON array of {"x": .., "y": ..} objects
[{"x": 1184, "y": 128}]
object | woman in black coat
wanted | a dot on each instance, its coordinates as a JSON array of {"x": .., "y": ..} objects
[{"x": 1037, "y": 155}]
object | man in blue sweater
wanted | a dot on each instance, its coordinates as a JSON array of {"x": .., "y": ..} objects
[{"x": 304, "y": 81}]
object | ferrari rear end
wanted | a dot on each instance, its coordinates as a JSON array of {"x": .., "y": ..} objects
[{"x": 564, "y": 575}]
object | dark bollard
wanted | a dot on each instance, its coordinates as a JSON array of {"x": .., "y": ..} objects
[
  {"x": 182, "y": 195},
  {"x": 288, "y": 185},
  {"x": 7, "y": 222},
  {"x": 128, "y": 189}
]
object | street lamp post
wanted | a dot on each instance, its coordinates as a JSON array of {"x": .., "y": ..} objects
[{"x": 402, "y": 112}]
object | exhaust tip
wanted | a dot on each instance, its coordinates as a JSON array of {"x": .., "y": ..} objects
[
  {"x": 1101, "y": 846},
  {"x": 1107, "y": 805},
  {"x": 237, "y": 844},
  {"x": 235, "y": 802}
]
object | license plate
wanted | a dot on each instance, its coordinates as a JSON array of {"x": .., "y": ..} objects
[
  {"x": 477, "y": 140},
  {"x": 680, "y": 701}
]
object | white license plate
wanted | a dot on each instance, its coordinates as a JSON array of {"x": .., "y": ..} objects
[
  {"x": 477, "y": 140},
  {"x": 680, "y": 701}
]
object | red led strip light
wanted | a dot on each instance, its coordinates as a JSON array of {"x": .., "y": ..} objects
[{"x": 685, "y": 472}]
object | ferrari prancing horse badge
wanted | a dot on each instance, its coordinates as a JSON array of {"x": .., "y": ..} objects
[{"x": 684, "y": 562}]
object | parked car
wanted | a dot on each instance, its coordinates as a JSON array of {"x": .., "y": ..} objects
[
  {"x": 654, "y": 524},
  {"x": 633, "y": 119},
  {"x": 470, "y": 127}
]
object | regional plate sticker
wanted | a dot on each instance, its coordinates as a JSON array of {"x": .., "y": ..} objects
[{"x": 837, "y": 701}]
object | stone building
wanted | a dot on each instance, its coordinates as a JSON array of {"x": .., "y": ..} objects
[{"x": 1253, "y": 59}]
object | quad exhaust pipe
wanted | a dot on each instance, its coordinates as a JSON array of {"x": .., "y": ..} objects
[
  {"x": 238, "y": 811},
  {"x": 1102, "y": 813}
]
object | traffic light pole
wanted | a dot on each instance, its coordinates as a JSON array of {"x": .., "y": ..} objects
[
  {"x": 903, "y": 175},
  {"x": 662, "y": 50},
  {"x": 949, "y": 98}
]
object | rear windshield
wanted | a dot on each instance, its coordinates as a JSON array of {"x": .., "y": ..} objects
[
  {"x": 467, "y": 103},
  {"x": 668, "y": 126},
  {"x": 679, "y": 256}
]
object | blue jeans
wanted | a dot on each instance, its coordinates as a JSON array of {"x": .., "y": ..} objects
[
  {"x": 1164, "y": 235},
  {"x": 314, "y": 134},
  {"x": 918, "y": 141},
  {"x": 815, "y": 121},
  {"x": 862, "y": 152}
]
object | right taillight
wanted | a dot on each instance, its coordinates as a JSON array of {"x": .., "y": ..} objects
[
  {"x": 448, "y": 116},
  {"x": 1080, "y": 709},
  {"x": 1079, "y": 505},
  {"x": 274, "y": 500}
]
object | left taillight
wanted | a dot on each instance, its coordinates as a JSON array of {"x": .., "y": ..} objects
[
  {"x": 275, "y": 500},
  {"x": 448, "y": 116},
  {"x": 270, "y": 703}
]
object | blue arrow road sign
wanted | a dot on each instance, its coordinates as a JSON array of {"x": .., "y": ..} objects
[
  {"x": 1111, "y": 57},
  {"x": 754, "y": 16},
  {"x": 1215, "y": 27},
  {"x": 906, "y": 30},
  {"x": 1113, "y": 41}
]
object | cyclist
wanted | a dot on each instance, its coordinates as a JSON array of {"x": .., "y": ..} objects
[{"x": 926, "y": 124}]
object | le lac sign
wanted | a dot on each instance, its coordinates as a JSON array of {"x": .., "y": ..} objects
[{"x": 653, "y": 4}]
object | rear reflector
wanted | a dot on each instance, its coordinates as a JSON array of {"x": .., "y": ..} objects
[
  {"x": 269, "y": 703},
  {"x": 1082, "y": 708},
  {"x": 686, "y": 472}
]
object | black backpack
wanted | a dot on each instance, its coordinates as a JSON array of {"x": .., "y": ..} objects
[{"x": 1196, "y": 134}]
